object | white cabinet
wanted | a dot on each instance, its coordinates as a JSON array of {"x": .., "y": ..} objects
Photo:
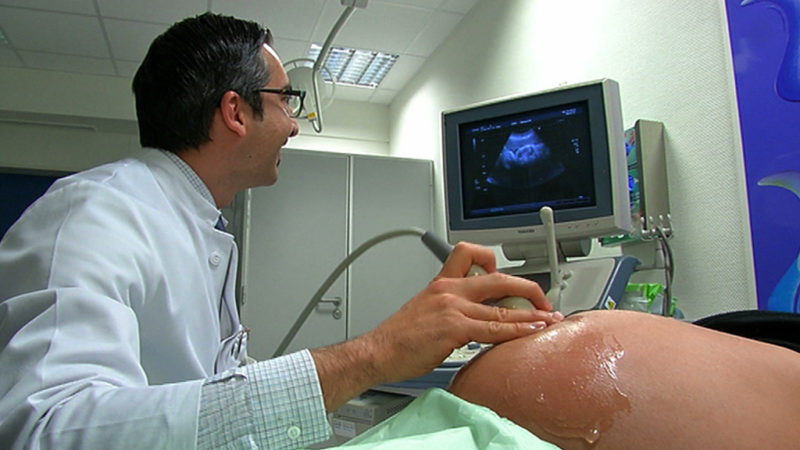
[{"x": 323, "y": 207}]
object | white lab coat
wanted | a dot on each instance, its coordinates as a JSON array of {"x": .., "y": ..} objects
[{"x": 110, "y": 316}]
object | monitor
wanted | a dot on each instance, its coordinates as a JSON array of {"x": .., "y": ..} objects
[{"x": 506, "y": 159}]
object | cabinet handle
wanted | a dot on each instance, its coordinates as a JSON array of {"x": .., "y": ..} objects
[{"x": 337, "y": 303}]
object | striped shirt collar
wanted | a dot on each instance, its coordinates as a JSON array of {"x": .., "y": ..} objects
[{"x": 192, "y": 176}]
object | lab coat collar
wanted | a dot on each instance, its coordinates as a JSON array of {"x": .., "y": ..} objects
[{"x": 170, "y": 176}]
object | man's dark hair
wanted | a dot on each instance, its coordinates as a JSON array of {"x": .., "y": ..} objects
[{"x": 187, "y": 70}]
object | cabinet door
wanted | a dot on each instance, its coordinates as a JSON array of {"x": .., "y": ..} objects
[
  {"x": 388, "y": 194},
  {"x": 297, "y": 235}
]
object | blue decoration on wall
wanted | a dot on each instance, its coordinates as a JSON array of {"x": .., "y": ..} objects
[
  {"x": 787, "y": 81},
  {"x": 765, "y": 43}
]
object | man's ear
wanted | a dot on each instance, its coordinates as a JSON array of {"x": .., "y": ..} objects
[{"x": 233, "y": 112}]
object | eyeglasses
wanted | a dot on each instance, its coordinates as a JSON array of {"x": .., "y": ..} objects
[{"x": 292, "y": 99}]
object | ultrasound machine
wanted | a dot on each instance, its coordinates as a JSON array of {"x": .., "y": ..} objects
[{"x": 541, "y": 175}]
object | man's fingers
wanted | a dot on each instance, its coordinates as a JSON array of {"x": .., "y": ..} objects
[
  {"x": 498, "y": 314},
  {"x": 494, "y": 332},
  {"x": 464, "y": 256},
  {"x": 496, "y": 285}
]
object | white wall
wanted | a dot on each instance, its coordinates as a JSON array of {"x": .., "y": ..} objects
[
  {"x": 672, "y": 60},
  {"x": 348, "y": 127},
  {"x": 63, "y": 121}
]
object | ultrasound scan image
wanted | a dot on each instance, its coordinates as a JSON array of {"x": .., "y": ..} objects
[{"x": 525, "y": 162}]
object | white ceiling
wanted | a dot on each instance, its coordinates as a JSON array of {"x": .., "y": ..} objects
[{"x": 110, "y": 37}]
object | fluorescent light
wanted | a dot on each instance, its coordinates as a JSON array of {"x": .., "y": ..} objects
[
  {"x": 365, "y": 68},
  {"x": 3, "y": 40}
]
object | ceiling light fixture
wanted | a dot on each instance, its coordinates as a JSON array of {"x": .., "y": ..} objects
[{"x": 365, "y": 68}]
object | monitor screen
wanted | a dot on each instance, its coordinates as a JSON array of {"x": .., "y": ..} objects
[
  {"x": 506, "y": 159},
  {"x": 514, "y": 164}
]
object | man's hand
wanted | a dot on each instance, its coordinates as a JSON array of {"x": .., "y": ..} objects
[
  {"x": 446, "y": 315},
  {"x": 449, "y": 313}
]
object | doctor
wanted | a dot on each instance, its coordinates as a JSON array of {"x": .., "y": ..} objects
[{"x": 118, "y": 325}]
